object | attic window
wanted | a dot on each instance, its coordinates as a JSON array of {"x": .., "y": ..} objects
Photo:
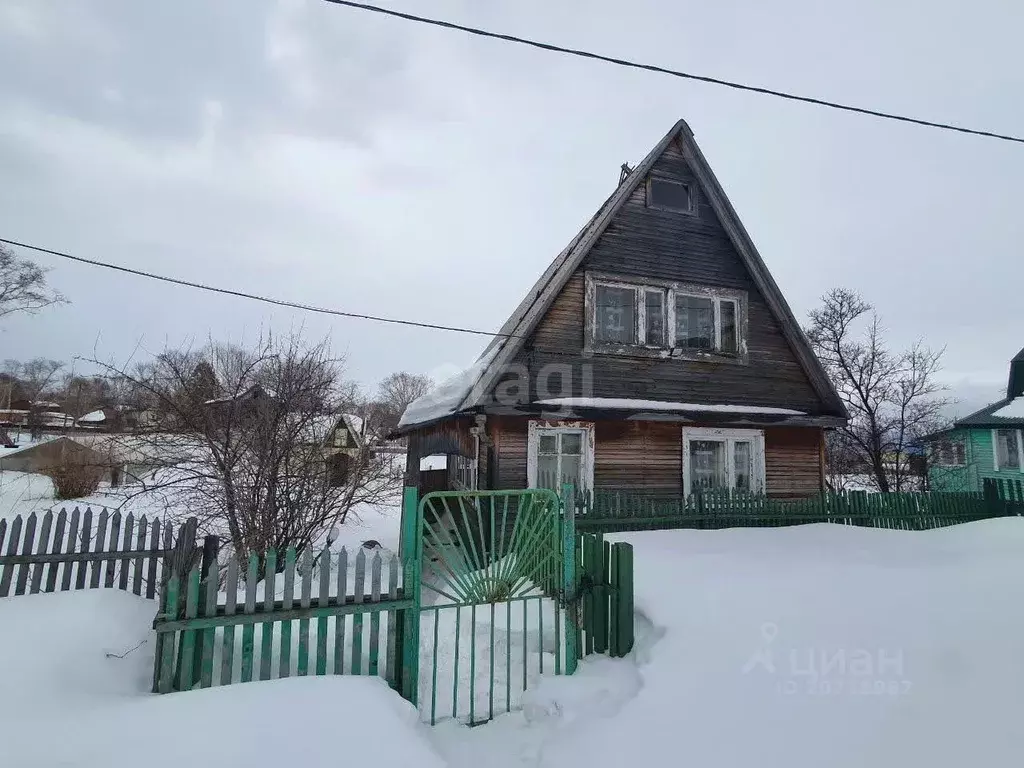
[
  {"x": 656, "y": 317},
  {"x": 669, "y": 195}
]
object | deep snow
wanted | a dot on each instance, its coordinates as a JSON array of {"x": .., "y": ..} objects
[
  {"x": 68, "y": 702},
  {"x": 914, "y": 640}
]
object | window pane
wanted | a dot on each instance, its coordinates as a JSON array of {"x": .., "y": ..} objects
[
  {"x": 547, "y": 472},
  {"x": 730, "y": 341},
  {"x": 707, "y": 465},
  {"x": 616, "y": 314},
  {"x": 570, "y": 470},
  {"x": 694, "y": 322},
  {"x": 548, "y": 443},
  {"x": 655, "y": 303},
  {"x": 669, "y": 194},
  {"x": 572, "y": 442},
  {"x": 1007, "y": 455},
  {"x": 741, "y": 466}
]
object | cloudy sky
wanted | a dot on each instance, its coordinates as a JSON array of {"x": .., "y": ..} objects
[{"x": 333, "y": 157}]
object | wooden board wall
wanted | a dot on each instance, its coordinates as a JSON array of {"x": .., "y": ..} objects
[
  {"x": 667, "y": 245},
  {"x": 646, "y": 457}
]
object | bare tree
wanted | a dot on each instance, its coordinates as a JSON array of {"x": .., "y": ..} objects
[
  {"x": 394, "y": 395},
  {"x": 35, "y": 380},
  {"x": 23, "y": 285},
  {"x": 893, "y": 398},
  {"x": 251, "y": 462}
]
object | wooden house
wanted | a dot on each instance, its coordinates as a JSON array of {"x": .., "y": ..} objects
[
  {"x": 987, "y": 444},
  {"x": 655, "y": 354}
]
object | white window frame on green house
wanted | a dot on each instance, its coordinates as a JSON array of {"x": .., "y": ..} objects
[
  {"x": 538, "y": 429},
  {"x": 946, "y": 454},
  {"x": 1020, "y": 451},
  {"x": 729, "y": 438}
]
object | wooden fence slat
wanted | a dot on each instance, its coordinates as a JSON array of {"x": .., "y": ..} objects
[
  {"x": 375, "y": 616},
  {"x": 65, "y": 578},
  {"x": 227, "y": 658},
  {"x": 58, "y": 545},
  {"x": 115, "y": 540},
  {"x": 267, "y": 628},
  {"x": 165, "y": 562},
  {"x": 209, "y": 634},
  {"x": 286, "y": 602},
  {"x": 12, "y": 548},
  {"x": 101, "y": 540},
  {"x": 390, "y": 664},
  {"x": 357, "y": 619},
  {"x": 42, "y": 548},
  {"x": 302, "y": 668},
  {"x": 251, "y": 575},
  {"x": 26, "y": 549},
  {"x": 186, "y": 678},
  {"x": 140, "y": 545},
  {"x": 339, "y": 621},
  {"x": 129, "y": 530},
  {"x": 165, "y": 643},
  {"x": 323, "y": 599}
]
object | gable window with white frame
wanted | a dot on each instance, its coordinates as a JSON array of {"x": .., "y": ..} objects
[
  {"x": 723, "y": 459},
  {"x": 660, "y": 317},
  {"x": 558, "y": 454},
  {"x": 1009, "y": 449}
]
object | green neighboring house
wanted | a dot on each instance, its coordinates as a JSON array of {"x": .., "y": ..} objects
[{"x": 987, "y": 444}]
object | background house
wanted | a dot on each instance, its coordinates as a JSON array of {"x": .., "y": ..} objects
[{"x": 986, "y": 444}]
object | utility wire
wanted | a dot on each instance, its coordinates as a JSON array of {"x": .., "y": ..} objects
[
  {"x": 676, "y": 73},
  {"x": 253, "y": 296}
]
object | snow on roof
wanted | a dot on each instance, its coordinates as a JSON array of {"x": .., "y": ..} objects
[
  {"x": 93, "y": 417},
  {"x": 447, "y": 397},
  {"x": 1013, "y": 410},
  {"x": 355, "y": 423},
  {"x": 659, "y": 405}
]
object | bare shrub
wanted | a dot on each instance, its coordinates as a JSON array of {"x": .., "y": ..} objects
[{"x": 74, "y": 477}]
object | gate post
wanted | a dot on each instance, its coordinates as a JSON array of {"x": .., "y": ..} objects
[
  {"x": 409, "y": 644},
  {"x": 569, "y": 597}
]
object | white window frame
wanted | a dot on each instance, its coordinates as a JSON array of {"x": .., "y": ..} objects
[
  {"x": 716, "y": 311},
  {"x": 669, "y": 292},
  {"x": 536, "y": 428},
  {"x": 729, "y": 436},
  {"x": 940, "y": 459},
  {"x": 995, "y": 450}
]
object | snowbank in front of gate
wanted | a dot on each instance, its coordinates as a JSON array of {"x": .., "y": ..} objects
[
  {"x": 75, "y": 693},
  {"x": 802, "y": 647}
]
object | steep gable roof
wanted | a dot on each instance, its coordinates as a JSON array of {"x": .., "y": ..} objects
[{"x": 478, "y": 381}]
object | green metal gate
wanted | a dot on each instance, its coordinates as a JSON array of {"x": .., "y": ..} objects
[{"x": 494, "y": 568}]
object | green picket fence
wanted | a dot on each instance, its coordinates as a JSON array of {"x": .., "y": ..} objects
[
  {"x": 324, "y": 614},
  {"x": 1009, "y": 493},
  {"x": 606, "y": 511},
  {"x": 604, "y": 596}
]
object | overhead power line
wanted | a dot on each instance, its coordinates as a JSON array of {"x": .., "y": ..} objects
[
  {"x": 253, "y": 296},
  {"x": 677, "y": 73}
]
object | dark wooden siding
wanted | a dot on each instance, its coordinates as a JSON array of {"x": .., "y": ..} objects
[
  {"x": 647, "y": 456},
  {"x": 645, "y": 242}
]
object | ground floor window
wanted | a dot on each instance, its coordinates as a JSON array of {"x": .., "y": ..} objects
[
  {"x": 715, "y": 459},
  {"x": 559, "y": 454},
  {"x": 1008, "y": 448},
  {"x": 949, "y": 453}
]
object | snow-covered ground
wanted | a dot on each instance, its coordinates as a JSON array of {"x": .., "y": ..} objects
[{"x": 805, "y": 646}]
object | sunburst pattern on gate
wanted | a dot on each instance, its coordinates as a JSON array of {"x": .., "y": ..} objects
[{"x": 487, "y": 547}]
